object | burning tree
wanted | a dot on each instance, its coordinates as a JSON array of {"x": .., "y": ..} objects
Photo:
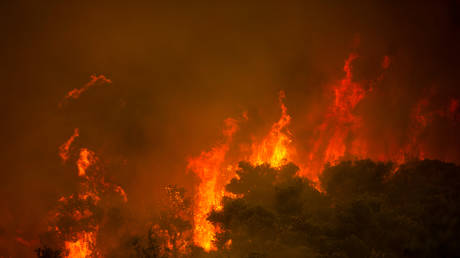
[
  {"x": 80, "y": 217},
  {"x": 266, "y": 205},
  {"x": 173, "y": 226}
]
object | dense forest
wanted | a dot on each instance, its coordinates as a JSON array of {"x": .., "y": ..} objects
[{"x": 357, "y": 209}]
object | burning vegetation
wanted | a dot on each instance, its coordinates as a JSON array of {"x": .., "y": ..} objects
[
  {"x": 261, "y": 134},
  {"x": 264, "y": 198}
]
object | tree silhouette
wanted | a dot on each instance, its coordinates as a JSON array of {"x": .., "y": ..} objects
[{"x": 365, "y": 209}]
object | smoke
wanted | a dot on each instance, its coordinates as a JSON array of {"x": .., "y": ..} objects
[{"x": 178, "y": 70}]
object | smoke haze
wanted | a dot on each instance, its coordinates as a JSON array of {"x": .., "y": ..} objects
[{"x": 179, "y": 69}]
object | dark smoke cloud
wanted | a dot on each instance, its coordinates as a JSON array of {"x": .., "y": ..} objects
[{"x": 178, "y": 70}]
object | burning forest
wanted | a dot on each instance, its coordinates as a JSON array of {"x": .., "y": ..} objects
[{"x": 231, "y": 130}]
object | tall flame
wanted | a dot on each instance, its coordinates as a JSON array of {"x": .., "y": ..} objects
[
  {"x": 339, "y": 135},
  {"x": 80, "y": 227},
  {"x": 335, "y": 138},
  {"x": 85, "y": 242},
  {"x": 209, "y": 168},
  {"x": 274, "y": 149},
  {"x": 214, "y": 172},
  {"x": 82, "y": 244}
]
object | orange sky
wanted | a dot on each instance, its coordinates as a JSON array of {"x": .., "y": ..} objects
[{"x": 178, "y": 70}]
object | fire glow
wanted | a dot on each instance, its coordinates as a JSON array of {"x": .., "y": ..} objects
[
  {"x": 82, "y": 243},
  {"x": 335, "y": 137}
]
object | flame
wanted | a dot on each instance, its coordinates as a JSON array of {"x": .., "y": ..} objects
[
  {"x": 22, "y": 241},
  {"x": 338, "y": 135},
  {"x": 64, "y": 149},
  {"x": 82, "y": 247},
  {"x": 423, "y": 115},
  {"x": 75, "y": 93},
  {"x": 335, "y": 138},
  {"x": 74, "y": 221},
  {"x": 274, "y": 149},
  {"x": 83, "y": 243},
  {"x": 214, "y": 172},
  {"x": 86, "y": 159},
  {"x": 208, "y": 167}
]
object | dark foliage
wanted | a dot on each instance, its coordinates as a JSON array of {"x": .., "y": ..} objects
[
  {"x": 365, "y": 209},
  {"x": 168, "y": 234},
  {"x": 48, "y": 252}
]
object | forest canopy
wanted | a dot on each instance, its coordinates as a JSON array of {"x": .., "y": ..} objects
[
  {"x": 357, "y": 209},
  {"x": 364, "y": 209}
]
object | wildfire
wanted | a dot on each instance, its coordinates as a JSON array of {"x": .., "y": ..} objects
[
  {"x": 85, "y": 160},
  {"x": 75, "y": 93},
  {"x": 79, "y": 232},
  {"x": 64, "y": 149},
  {"x": 83, "y": 247},
  {"x": 82, "y": 243},
  {"x": 208, "y": 167},
  {"x": 423, "y": 115},
  {"x": 274, "y": 148},
  {"x": 337, "y": 136},
  {"x": 214, "y": 172}
]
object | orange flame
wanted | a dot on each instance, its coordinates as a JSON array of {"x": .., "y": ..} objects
[
  {"x": 82, "y": 247},
  {"x": 332, "y": 138},
  {"x": 274, "y": 148},
  {"x": 86, "y": 159},
  {"x": 122, "y": 192},
  {"x": 331, "y": 143},
  {"x": 214, "y": 172},
  {"x": 75, "y": 93},
  {"x": 64, "y": 149},
  {"x": 83, "y": 243},
  {"x": 209, "y": 167},
  {"x": 423, "y": 115}
]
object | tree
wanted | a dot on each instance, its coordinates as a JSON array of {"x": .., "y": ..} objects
[
  {"x": 365, "y": 209},
  {"x": 48, "y": 252}
]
